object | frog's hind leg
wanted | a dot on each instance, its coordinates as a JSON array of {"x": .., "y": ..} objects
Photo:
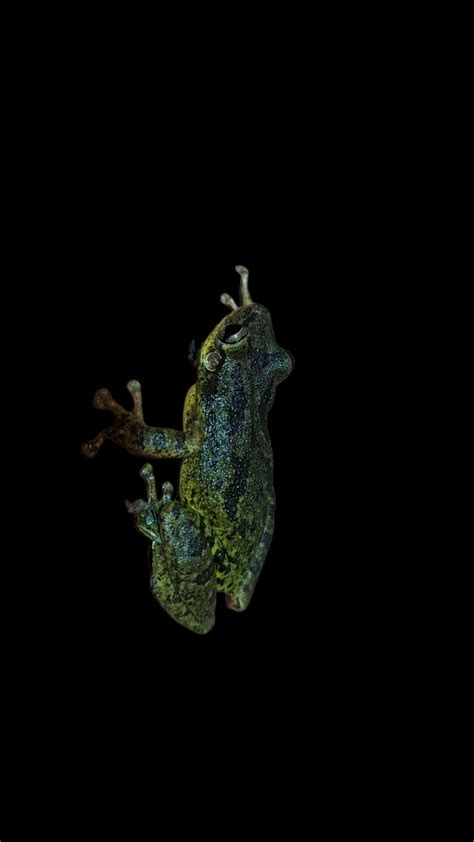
[
  {"x": 183, "y": 576},
  {"x": 239, "y": 599}
]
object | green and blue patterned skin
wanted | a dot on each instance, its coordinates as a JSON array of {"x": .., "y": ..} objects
[{"x": 215, "y": 538}]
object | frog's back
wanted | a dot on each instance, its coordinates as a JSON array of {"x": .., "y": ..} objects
[{"x": 228, "y": 477}]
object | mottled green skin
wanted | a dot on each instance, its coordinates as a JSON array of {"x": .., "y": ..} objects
[
  {"x": 217, "y": 536},
  {"x": 228, "y": 476}
]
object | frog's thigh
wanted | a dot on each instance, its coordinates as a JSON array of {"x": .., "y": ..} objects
[
  {"x": 183, "y": 571},
  {"x": 239, "y": 599}
]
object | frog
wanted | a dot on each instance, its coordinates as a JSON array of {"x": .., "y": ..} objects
[{"x": 215, "y": 535}]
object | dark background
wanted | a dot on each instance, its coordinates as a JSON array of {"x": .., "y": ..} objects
[
  {"x": 140, "y": 290},
  {"x": 142, "y": 329},
  {"x": 134, "y": 236},
  {"x": 140, "y": 176},
  {"x": 135, "y": 267},
  {"x": 137, "y": 184}
]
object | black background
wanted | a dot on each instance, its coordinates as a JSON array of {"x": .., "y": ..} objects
[
  {"x": 144, "y": 332},
  {"x": 135, "y": 237},
  {"x": 138, "y": 184},
  {"x": 140, "y": 287},
  {"x": 135, "y": 267}
]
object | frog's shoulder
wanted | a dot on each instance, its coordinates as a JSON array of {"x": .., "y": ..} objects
[
  {"x": 189, "y": 406},
  {"x": 192, "y": 418}
]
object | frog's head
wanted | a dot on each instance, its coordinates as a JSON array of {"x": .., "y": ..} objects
[{"x": 243, "y": 347}]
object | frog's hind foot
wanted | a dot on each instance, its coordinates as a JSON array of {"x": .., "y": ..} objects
[
  {"x": 146, "y": 512},
  {"x": 183, "y": 570},
  {"x": 104, "y": 400}
]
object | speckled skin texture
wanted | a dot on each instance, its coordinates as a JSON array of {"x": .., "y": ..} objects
[{"x": 216, "y": 537}]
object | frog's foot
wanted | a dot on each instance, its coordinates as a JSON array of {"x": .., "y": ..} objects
[
  {"x": 244, "y": 295},
  {"x": 146, "y": 512},
  {"x": 104, "y": 400},
  {"x": 183, "y": 570}
]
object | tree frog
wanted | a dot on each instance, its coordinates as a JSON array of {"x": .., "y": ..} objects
[{"x": 216, "y": 536}]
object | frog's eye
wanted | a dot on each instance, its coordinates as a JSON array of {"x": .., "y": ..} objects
[{"x": 232, "y": 333}]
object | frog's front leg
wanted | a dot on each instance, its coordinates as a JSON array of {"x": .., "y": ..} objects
[
  {"x": 183, "y": 576},
  {"x": 131, "y": 432}
]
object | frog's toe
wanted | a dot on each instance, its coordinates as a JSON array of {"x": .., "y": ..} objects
[
  {"x": 167, "y": 492},
  {"x": 135, "y": 390},
  {"x": 234, "y": 603},
  {"x": 148, "y": 475},
  {"x": 228, "y": 301},
  {"x": 146, "y": 471},
  {"x": 145, "y": 517},
  {"x": 244, "y": 294},
  {"x": 104, "y": 400},
  {"x": 135, "y": 507},
  {"x": 91, "y": 448}
]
